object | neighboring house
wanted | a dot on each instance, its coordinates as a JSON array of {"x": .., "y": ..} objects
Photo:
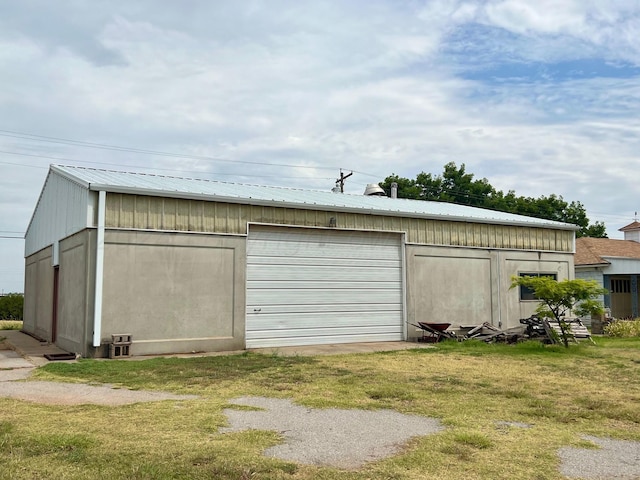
[
  {"x": 615, "y": 265},
  {"x": 188, "y": 265}
]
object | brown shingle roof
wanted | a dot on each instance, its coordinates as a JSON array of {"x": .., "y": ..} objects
[
  {"x": 635, "y": 225},
  {"x": 591, "y": 251}
]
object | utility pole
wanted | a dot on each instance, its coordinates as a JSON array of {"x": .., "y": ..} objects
[{"x": 341, "y": 180}]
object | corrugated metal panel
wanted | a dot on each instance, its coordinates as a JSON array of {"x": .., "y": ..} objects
[
  {"x": 134, "y": 211},
  {"x": 156, "y": 185},
  {"x": 62, "y": 210},
  {"x": 308, "y": 287}
]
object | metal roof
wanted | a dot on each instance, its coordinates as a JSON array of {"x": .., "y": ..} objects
[{"x": 159, "y": 185}]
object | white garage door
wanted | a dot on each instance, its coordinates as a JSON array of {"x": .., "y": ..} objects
[{"x": 310, "y": 287}]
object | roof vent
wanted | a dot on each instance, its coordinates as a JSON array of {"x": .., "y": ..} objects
[
  {"x": 373, "y": 189},
  {"x": 394, "y": 190}
]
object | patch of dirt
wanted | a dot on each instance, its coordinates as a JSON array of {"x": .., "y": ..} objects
[{"x": 54, "y": 393}]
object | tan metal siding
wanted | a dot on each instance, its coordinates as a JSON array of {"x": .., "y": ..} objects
[{"x": 160, "y": 213}]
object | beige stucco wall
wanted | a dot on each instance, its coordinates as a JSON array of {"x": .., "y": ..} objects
[
  {"x": 38, "y": 294},
  {"x": 515, "y": 263},
  {"x": 174, "y": 292},
  {"x": 467, "y": 286},
  {"x": 171, "y": 214},
  {"x": 75, "y": 298}
]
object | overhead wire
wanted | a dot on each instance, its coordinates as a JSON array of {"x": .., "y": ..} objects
[
  {"x": 82, "y": 162},
  {"x": 103, "y": 146}
]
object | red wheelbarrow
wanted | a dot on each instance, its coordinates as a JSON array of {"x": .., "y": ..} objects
[{"x": 434, "y": 332}]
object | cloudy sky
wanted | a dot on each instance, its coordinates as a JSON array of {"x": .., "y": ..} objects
[{"x": 538, "y": 97}]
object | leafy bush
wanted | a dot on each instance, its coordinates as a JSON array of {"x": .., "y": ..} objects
[
  {"x": 623, "y": 328},
  {"x": 11, "y": 306}
]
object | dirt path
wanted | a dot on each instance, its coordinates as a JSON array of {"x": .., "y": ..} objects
[
  {"x": 15, "y": 367},
  {"x": 55, "y": 393}
]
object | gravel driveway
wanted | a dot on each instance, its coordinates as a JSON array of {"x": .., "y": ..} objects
[
  {"x": 350, "y": 438},
  {"x": 329, "y": 437}
]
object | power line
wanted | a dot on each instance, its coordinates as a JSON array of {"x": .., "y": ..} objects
[
  {"x": 81, "y": 143},
  {"x": 103, "y": 146},
  {"x": 192, "y": 172}
]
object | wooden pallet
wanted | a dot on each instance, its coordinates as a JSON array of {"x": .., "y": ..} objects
[{"x": 575, "y": 329}]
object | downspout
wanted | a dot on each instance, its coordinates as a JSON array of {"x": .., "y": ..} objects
[
  {"x": 499, "y": 279},
  {"x": 97, "y": 307},
  {"x": 405, "y": 333}
]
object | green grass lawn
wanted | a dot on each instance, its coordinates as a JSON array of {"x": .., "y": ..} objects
[{"x": 471, "y": 387}]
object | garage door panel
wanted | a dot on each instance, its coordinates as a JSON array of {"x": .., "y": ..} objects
[
  {"x": 298, "y": 235},
  {"x": 313, "y": 297},
  {"x": 333, "y": 332},
  {"x": 305, "y": 272},
  {"x": 300, "y": 284},
  {"x": 309, "y": 287},
  {"x": 392, "y": 309},
  {"x": 308, "y": 261},
  {"x": 311, "y": 319},
  {"x": 317, "y": 250},
  {"x": 321, "y": 340}
]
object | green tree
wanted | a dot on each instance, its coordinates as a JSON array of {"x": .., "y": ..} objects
[
  {"x": 558, "y": 299},
  {"x": 406, "y": 188},
  {"x": 11, "y": 306},
  {"x": 456, "y": 185}
]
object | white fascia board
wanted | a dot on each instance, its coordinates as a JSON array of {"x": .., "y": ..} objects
[{"x": 323, "y": 207}]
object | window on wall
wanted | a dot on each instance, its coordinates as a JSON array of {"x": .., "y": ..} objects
[
  {"x": 525, "y": 292},
  {"x": 620, "y": 285}
]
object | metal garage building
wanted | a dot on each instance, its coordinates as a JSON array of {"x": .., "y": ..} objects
[{"x": 194, "y": 265}]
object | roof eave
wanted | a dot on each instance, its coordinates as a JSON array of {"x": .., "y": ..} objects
[{"x": 584, "y": 265}]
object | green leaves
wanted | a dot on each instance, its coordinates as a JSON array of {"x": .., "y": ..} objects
[
  {"x": 560, "y": 299},
  {"x": 11, "y": 306},
  {"x": 455, "y": 185}
]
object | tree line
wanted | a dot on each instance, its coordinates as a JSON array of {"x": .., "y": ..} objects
[
  {"x": 455, "y": 185},
  {"x": 11, "y": 306}
]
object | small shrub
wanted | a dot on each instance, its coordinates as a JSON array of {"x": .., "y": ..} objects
[{"x": 623, "y": 328}]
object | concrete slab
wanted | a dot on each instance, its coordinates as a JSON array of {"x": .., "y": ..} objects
[
  {"x": 15, "y": 374},
  {"x": 29, "y": 347},
  {"x": 10, "y": 359}
]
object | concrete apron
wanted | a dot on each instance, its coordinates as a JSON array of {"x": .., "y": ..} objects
[{"x": 21, "y": 353}]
